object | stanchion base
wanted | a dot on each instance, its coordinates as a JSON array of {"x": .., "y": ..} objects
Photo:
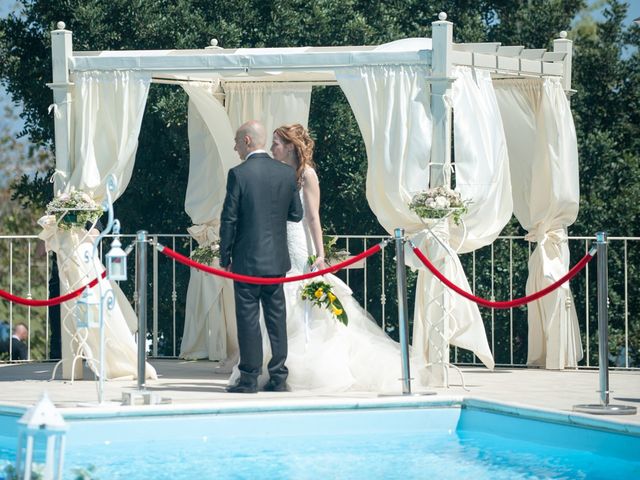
[{"x": 599, "y": 409}]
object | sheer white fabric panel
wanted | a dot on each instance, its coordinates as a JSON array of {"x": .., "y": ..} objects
[
  {"x": 209, "y": 328},
  {"x": 121, "y": 360},
  {"x": 544, "y": 174},
  {"x": 108, "y": 109},
  {"x": 482, "y": 176},
  {"x": 481, "y": 160},
  {"x": 274, "y": 104},
  {"x": 391, "y": 105}
]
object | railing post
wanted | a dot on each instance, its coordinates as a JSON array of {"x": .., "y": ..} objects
[
  {"x": 603, "y": 317},
  {"x": 604, "y": 407},
  {"x": 141, "y": 282},
  {"x": 403, "y": 321}
]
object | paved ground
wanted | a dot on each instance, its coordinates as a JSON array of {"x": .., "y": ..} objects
[{"x": 201, "y": 383}]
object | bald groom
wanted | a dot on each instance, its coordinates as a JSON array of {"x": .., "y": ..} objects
[{"x": 262, "y": 196}]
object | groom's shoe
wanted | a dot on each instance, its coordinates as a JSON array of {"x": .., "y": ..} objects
[
  {"x": 242, "y": 387},
  {"x": 273, "y": 386}
]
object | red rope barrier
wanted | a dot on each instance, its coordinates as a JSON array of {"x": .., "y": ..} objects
[
  {"x": 51, "y": 301},
  {"x": 516, "y": 302},
  {"x": 262, "y": 280}
]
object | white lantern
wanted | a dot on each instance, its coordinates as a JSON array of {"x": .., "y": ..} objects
[
  {"x": 41, "y": 426},
  {"x": 87, "y": 313},
  {"x": 116, "y": 261}
]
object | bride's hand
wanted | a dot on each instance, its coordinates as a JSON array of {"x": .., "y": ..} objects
[{"x": 319, "y": 264}]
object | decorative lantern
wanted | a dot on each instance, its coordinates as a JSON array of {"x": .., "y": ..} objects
[
  {"x": 41, "y": 429},
  {"x": 116, "y": 261},
  {"x": 87, "y": 313}
]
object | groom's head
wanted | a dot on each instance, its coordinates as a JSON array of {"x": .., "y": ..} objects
[{"x": 250, "y": 136}]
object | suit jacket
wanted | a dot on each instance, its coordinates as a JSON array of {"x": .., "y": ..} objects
[
  {"x": 262, "y": 194},
  {"x": 18, "y": 349}
]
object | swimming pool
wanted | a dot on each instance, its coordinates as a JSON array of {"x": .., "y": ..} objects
[{"x": 370, "y": 439}]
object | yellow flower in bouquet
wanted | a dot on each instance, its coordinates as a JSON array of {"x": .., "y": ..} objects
[{"x": 320, "y": 294}]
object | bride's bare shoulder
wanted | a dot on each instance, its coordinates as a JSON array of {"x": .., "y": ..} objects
[{"x": 310, "y": 175}]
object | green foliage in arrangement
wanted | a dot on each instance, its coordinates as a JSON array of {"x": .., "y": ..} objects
[{"x": 606, "y": 76}]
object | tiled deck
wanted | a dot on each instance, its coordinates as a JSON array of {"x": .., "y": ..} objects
[{"x": 199, "y": 384}]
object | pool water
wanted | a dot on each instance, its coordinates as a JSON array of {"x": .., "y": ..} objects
[{"x": 396, "y": 443}]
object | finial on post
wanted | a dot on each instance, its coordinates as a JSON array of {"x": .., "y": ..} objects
[
  {"x": 563, "y": 34},
  {"x": 61, "y": 25},
  {"x": 442, "y": 16},
  {"x": 213, "y": 44}
]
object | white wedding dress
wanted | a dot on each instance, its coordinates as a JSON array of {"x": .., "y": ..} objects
[{"x": 324, "y": 354}]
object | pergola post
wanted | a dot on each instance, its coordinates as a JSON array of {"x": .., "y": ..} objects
[
  {"x": 442, "y": 38},
  {"x": 440, "y": 174},
  {"x": 61, "y": 53},
  {"x": 564, "y": 45}
]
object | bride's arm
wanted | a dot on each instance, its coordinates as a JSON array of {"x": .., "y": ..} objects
[{"x": 311, "y": 195}]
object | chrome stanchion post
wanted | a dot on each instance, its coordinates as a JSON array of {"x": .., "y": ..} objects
[
  {"x": 603, "y": 317},
  {"x": 403, "y": 321},
  {"x": 604, "y": 408},
  {"x": 141, "y": 281}
]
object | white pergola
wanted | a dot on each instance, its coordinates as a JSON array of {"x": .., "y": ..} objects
[
  {"x": 315, "y": 65},
  {"x": 442, "y": 68}
]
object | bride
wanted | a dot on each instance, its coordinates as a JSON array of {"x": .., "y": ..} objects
[{"x": 324, "y": 354}]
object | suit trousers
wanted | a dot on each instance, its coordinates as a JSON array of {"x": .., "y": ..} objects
[{"x": 248, "y": 298}]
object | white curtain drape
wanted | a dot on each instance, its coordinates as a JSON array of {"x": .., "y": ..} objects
[
  {"x": 391, "y": 105},
  {"x": 107, "y": 115},
  {"x": 108, "y": 109},
  {"x": 481, "y": 160},
  {"x": 543, "y": 150},
  {"x": 482, "y": 177},
  {"x": 210, "y": 324},
  {"x": 72, "y": 247},
  {"x": 274, "y": 104}
]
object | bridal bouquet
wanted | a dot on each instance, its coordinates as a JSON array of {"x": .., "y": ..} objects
[
  {"x": 320, "y": 294},
  {"x": 439, "y": 202},
  {"x": 206, "y": 254},
  {"x": 74, "y": 209}
]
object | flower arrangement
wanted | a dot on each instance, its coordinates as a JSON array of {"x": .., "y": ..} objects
[
  {"x": 320, "y": 294},
  {"x": 439, "y": 202},
  {"x": 74, "y": 209},
  {"x": 206, "y": 254}
]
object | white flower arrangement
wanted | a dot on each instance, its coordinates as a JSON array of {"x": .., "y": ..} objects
[
  {"x": 74, "y": 209},
  {"x": 439, "y": 202},
  {"x": 206, "y": 254}
]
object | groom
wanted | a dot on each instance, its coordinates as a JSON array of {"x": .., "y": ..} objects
[{"x": 261, "y": 196}]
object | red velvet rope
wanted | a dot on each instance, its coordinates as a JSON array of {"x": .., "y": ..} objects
[
  {"x": 51, "y": 301},
  {"x": 516, "y": 302},
  {"x": 263, "y": 280}
]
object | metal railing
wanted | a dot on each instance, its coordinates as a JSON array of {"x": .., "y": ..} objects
[{"x": 498, "y": 271}]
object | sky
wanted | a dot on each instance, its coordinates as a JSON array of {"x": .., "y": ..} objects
[{"x": 7, "y": 6}]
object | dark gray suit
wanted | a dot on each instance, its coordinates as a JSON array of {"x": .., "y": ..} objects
[{"x": 261, "y": 196}]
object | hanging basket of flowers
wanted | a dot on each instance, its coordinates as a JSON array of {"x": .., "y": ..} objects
[
  {"x": 74, "y": 209},
  {"x": 439, "y": 202}
]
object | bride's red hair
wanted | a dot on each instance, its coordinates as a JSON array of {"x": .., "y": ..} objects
[{"x": 303, "y": 144}]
